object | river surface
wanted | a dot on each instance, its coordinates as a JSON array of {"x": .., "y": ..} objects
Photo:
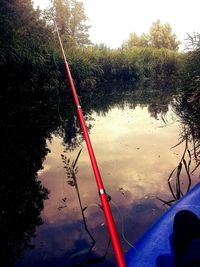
[{"x": 133, "y": 139}]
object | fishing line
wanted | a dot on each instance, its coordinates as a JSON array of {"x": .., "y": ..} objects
[{"x": 122, "y": 224}]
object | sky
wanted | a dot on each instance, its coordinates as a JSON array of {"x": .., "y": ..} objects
[{"x": 113, "y": 20}]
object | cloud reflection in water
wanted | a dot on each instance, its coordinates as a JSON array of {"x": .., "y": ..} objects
[{"x": 135, "y": 159}]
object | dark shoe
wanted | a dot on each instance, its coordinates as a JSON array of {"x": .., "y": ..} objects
[{"x": 185, "y": 229}]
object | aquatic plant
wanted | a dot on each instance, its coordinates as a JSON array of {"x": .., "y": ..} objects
[
  {"x": 175, "y": 180},
  {"x": 71, "y": 170}
]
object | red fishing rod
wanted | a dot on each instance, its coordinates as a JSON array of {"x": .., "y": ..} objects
[{"x": 102, "y": 193}]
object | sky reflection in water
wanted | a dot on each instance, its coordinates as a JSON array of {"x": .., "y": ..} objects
[{"x": 135, "y": 159}]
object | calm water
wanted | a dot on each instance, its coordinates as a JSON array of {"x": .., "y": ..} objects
[{"x": 132, "y": 134}]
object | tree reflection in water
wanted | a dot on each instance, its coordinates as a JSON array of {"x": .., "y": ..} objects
[
  {"x": 27, "y": 123},
  {"x": 189, "y": 112},
  {"x": 22, "y": 195},
  {"x": 181, "y": 178}
]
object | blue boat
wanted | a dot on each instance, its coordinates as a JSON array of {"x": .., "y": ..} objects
[{"x": 155, "y": 248}]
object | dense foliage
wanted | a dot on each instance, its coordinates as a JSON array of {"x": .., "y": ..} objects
[
  {"x": 25, "y": 47},
  {"x": 190, "y": 68},
  {"x": 93, "y": 65}
]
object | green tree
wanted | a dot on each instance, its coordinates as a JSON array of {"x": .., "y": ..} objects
[
  {"x": 134, "y": 40},
  {"x": 161, "y": 36},
  {"x": 25, "y": 47},
  {"x": 144, "y": 40},
  {"x": 62, "y": 15},
  {"x": 79, "y": 30},
  {"x": 22, "y": 30},
  {"x": 71, "y": 20},
  {"x": 137, "y": 40}
]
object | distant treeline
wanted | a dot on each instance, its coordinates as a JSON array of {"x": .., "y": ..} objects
[{"x": 30, "y": 56}]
